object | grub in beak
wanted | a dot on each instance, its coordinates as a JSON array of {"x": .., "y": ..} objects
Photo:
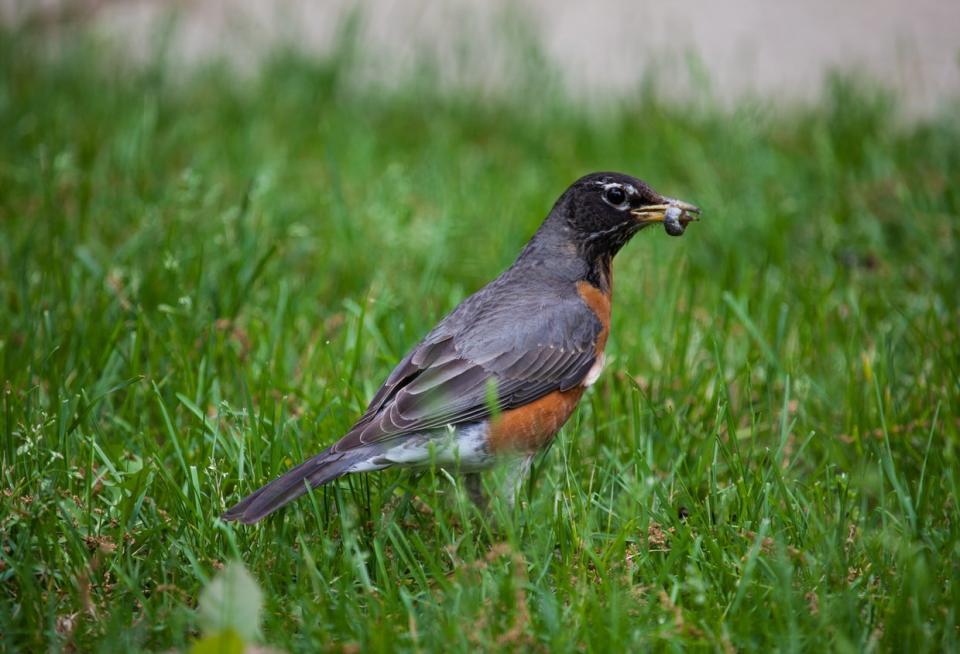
[{"x": 674, "y": 214}]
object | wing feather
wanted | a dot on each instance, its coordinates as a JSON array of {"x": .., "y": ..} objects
[{"x": 442, "y": 383}]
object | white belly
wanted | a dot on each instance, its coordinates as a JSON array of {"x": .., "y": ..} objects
[{"x": 595, "y": 370}]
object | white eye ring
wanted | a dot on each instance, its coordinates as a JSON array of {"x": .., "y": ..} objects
[{"x": 616, "y": 196}]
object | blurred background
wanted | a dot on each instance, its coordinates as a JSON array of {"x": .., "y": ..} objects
[
  {"x": 774, "y": 50},
  {"x": 223, "y": 223}
]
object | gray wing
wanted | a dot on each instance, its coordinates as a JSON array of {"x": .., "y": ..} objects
[{"x": 521, "y": 352}]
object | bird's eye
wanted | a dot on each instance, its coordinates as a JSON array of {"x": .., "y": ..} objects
[{"x": 615, "y": 196}]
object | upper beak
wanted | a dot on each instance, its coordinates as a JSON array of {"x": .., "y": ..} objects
[{"x": 657, "y": 213}]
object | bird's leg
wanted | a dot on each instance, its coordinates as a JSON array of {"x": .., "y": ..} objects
[
  {"x": 513, "y": 482},
  {"x": 474, "y": 483}
]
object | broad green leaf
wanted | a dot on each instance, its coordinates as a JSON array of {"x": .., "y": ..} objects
[
  {"x": 225, "y": 642},
  {"x": 231, "y": 601}
]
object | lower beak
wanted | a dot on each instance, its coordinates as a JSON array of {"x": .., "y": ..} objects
[{"x": 670, "y": 209}]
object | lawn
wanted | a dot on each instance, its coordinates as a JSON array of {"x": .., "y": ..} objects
[{"x": 204, "y": 276}]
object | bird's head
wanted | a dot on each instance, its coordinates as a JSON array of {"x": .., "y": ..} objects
[{"x": 606, "y": 209}]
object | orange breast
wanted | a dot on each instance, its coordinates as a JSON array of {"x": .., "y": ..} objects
[
  {"x": 528, "y": 428},
  {"x": 599, "y": 304}
]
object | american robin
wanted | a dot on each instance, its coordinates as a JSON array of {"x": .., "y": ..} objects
[{"x": 498, "y": 377}]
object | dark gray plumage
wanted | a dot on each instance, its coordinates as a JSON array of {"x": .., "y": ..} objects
[{"x": 528, "y": 332}]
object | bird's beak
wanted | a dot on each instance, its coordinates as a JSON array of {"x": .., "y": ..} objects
[{"x": 684, "y": 212}]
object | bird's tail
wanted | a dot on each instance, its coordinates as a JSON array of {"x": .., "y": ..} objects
[{"x": 316, "y": 471}]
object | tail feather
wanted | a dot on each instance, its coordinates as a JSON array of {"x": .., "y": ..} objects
[{"x": 316, "y": 471}]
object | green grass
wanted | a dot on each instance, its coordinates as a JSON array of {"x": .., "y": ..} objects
[{"x": 204, "y": 277}]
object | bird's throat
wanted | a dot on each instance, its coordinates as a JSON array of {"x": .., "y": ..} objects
[{"x": 600, "y": 273}]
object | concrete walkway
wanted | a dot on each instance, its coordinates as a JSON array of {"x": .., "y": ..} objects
[{"x": 756, "y": 47}]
